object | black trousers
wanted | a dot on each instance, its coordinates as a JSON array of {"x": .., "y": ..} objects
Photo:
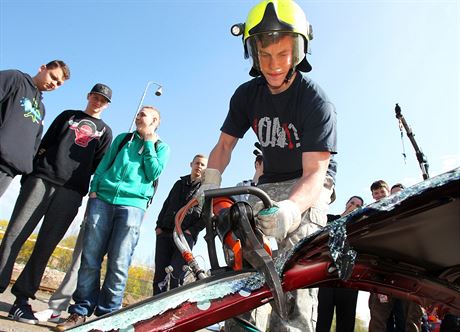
[
  {"x": 397, "y": 320},
  {"x": 5, "y": 181},
  {"x": 450, "y": 323},
  {"x": 166, "y": 253},
  {"x": 344, "y": 301},
  {"x": 38, "y": 198}
]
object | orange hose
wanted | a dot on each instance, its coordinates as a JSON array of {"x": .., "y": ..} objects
[
  {"x": 180, "y": 215},
  {"x": 188, "y": 256},
  {"x": 179, "y": 218}
]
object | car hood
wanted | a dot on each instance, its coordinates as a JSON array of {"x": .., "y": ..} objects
[{"x": 406, "y": 245}]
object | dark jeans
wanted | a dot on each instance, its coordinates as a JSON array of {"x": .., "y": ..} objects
[
  {"x": 344, "y": 302},
  {"x": 166, "y": 253}
]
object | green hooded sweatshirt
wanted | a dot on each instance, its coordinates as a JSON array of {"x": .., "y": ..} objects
[{"x": 126, "y": 177}]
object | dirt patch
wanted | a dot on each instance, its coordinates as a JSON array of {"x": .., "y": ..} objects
[{"x": 51, "y": 278}]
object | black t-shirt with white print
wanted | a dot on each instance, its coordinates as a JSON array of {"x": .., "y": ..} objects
[
  {"x": 300, "y": 119},
  {"x": 71, "y": 150}
]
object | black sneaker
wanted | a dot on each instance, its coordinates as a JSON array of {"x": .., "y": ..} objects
[
  {"x": 22, "y": 313},
  {"x": 71, "y": 321}
]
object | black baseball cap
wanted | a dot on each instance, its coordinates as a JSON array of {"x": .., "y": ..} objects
[{"x": 103, "y": 90}]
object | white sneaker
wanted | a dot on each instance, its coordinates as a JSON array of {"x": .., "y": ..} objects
[{"x": 48, "y": 315}]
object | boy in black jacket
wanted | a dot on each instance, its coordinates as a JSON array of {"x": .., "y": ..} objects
[
  {"x": 21, "y": 116},
  {"x": 69, "y": 153},
  {"x": 166, "y": 252}
]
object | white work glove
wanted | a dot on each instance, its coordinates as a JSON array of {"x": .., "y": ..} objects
[
  {"x": 210, "y": 179},
  {"x": 278, "y": 221}
]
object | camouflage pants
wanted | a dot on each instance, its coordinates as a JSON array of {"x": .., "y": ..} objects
[
  {"x": 381, "y": 311},
  {"x": 303, "y": 303}
]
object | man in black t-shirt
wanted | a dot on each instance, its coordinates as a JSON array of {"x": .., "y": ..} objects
[
  {"x": 295, "y": 124},
  {"x": 68, "y": 155}
]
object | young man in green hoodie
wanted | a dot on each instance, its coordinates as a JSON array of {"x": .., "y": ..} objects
[{"x": 120, "y": 191}]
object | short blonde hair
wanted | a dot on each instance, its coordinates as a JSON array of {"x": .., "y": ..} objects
[
  {"x": 156, "y": 110},
  {"x": 199, "y": 155}
]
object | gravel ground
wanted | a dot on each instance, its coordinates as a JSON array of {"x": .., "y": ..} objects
[
  {"x": 52, "y": 279},
  {"x": 8, "y": 325}
]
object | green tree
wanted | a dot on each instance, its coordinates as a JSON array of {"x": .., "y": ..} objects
[
  {"x": 139, "y": 281},
  {"x": 26, "y": 249},
  {"x": 62, "y": 255},
  {"x": 3, "y": 226},
  {"x": 69, "y": 241}
]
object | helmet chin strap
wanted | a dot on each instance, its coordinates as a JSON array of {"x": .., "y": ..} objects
[{"x": 289, "y": 75}]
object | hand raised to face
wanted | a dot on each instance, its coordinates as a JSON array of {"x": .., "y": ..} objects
[{"x": 147, "y": 121}]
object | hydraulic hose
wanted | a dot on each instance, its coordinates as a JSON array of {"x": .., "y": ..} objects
[{"x": 181, "y": 241}]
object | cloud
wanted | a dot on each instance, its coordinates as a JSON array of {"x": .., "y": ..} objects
[
  {"x": 410, "y": 181},
  {"x": 449, "y": 162}
]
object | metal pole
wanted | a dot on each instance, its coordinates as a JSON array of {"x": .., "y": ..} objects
[
  {"x": 423, "y": 162},
  {"x": 158, "y": 93}
]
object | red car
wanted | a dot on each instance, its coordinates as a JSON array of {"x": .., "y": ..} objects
[{"x": 406, "y": 245}]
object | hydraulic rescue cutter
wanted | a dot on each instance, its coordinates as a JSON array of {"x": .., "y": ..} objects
[{"x": 245, "y": 247}]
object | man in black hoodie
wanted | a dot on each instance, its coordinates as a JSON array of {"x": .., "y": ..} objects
[
  {"x": 21, "y": 116},
  {"x": 68, "y": 155},
  {"x": 166, "y": 252}
]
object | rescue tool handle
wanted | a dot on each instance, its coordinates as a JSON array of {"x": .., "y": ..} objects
[
  {"x": 179, "y": 237},
  {"x": 207, "y": 213},
  {"x": 240, "y": 190}
]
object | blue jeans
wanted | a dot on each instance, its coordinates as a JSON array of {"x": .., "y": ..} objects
[{"x": 111, "y": 229}]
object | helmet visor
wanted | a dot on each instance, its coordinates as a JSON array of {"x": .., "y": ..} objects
[{"x": 260, "y": 41}]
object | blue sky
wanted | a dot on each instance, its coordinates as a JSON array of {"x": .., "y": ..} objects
[{"x": 367, "y": 56}]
